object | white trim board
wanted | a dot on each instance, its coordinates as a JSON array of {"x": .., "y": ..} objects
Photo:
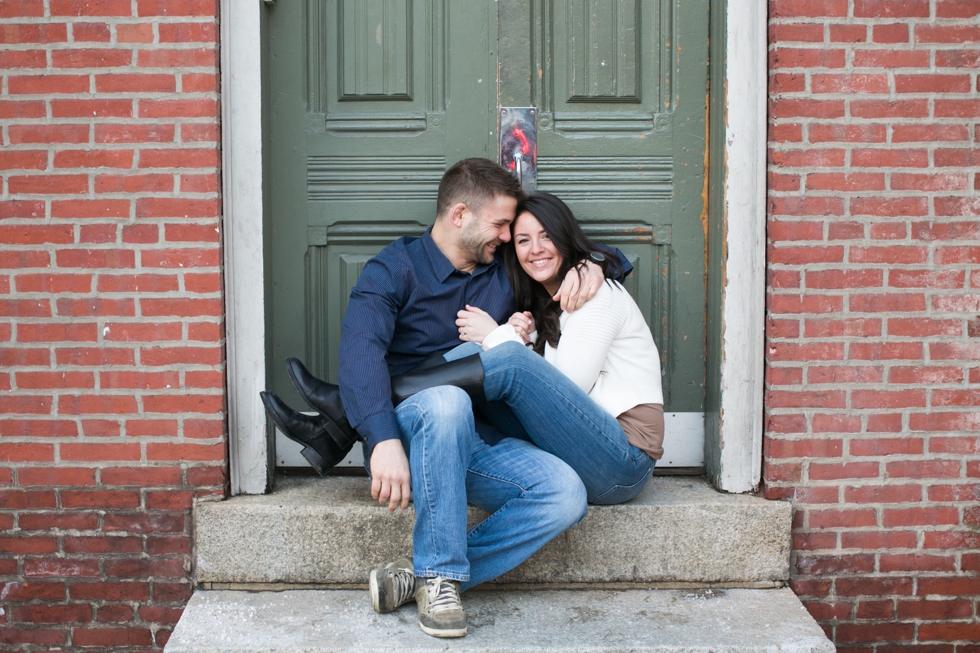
[{"x": 743, "y": 301}]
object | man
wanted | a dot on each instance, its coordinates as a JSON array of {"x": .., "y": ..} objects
[{"x": 431, "y": 446}]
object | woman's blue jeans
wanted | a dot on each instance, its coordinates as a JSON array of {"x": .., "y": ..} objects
[{"x": 525, "y": 391}]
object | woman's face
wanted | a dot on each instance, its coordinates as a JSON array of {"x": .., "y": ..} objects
[{"x": 535, "y": 252}]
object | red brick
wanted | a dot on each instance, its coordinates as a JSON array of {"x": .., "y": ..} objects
[
  {"x": 198, "y": 58},
  {"x": 944, "y": 422},
  {"x": 103, "y": 544},
  {"x": 94, "y": 32},
  {"x": 142, "y": 476},
  {"x": 836, "y": 471},
  {"x": 146, "y": 332},
  {"x": 873, "y": 351},
  {"x": 923, "y": 327},
  {"x": 871, "y": 586},
  {"x": 87, "y": 108},
  {"x": 48, "y": 184},
  {"x": 805, "y": 255},
  {"x": 22, "y": 356},
  {"x": 90, "y": 209},
  {"x": 137, "y": 33},
  {"x": 820, "y": 448},
  {"x": 845, "y": 231},
  {"x": 119, "y": 379},
  {"x": 89, "y": 404},
  {"x": 168, "y": 545},
  {"x": 199, "y": 83},
  {"x": 923, "y": 469},
  {"x": 54, "y": 380},
  {"x": 198, "y": 108},
  {"x": 839, "y": 375},
  {"x": 836, "y": 424},
  {"x": 965, "y": 446},
  {"x": 807, "y": 58},
  {"x": 115, "y": 613},
  {"x": 891, "y": 8},
  {"x": 140, "y": 233},
  {"x": 878, "y": 540},
  {"x": 836, "y": 564},
  {"x": 96, "y": 307},
  {"x": 892, "y": 254},
  {"x": 134, "y": 283},
  {"x": 47, "y": 84},
  {"x": 917, "y": 563},
  {"x": 203, "y": 476},
  {"x": 958, "y": 58},
  {"x": 96, "y": 258},
  {"x": 151, "y": 183},
  {"x": 191, "y": 233},
  {"x": 934, "y": 610},
  {"x": 188, "y": 33},
  {"x": 176, "y": 208},
  {"x": 806, "y": 304},
  {"x": 925, "y": 375},
  {"x": 824, "y": 133},
  {"x": 22, "y": 209},
  {"x": 849, "y": 34},
  {"x": 103, "y": 499},
  {"x": 22, "y": 59},
  {"x": 38, "y": 428},
  {"x": 152, "y": 522},
  {"x": 181, "y": 307},
  {"x": 890, "y": 33},
  {"x": 52, "y": 614},
  {"x": 95, "y": 356},
  {"x": 947, "y": 34},
  {"x": 90, "y": 8},
  {"x": 785, "y": 230},
  {"x": 91, "y": 58},
  {"x": 21, "y": 134},
  {"x": 881, "y": 158},
  {"x": 863, "y": 84},
  {"x": 25, "y": 308},
  {"x": 204, "y": 428},
  {"x": 55, "y": 568},
  {"x": 173, "y": 451},
  {"x": 955, "y": 398},
  {"x": 136, "y": 83},
  {"x": 954, "y": 493},
  {"x": 809, "y": 158},
  {"x": 110, "y": 591},
  {"x": 954, "y": 351},
  {"x": 93, "y": 159},
  {"x": 927, "y": 133},
  {"x": 100, "y": 452},
  {"x": 844, "y": 182},
  {"x": 785, "y": 133},
  {"x": 32, "y": 500},
  {"x": 875, "y": 632},
  {"x": 16, "y": 33},
  {"x": 136, "y": 133},
  {"x": 144, "y": 567},
  {"x": 111, "y": 637},
  {"x": 22, "y": 109}
]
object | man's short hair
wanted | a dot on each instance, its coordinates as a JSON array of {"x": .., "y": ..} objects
[{"x": 475, "y": 182}]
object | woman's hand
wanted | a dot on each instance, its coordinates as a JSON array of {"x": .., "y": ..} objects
[
  {"x": 523, "y": 324},
  {"x": 474, "y": 324}
]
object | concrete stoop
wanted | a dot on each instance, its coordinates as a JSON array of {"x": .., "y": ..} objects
[
  {"x": 329, "y": 532},
  {"x": 636, "y": 621}
]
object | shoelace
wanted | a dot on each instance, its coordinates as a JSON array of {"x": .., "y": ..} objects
[
  {"x": 443, "y": 595},
  {"x": 403, "y": 582}
]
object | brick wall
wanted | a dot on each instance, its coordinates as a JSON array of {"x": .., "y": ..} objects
[
  {"x": 873, "y": 338},
  {"x": 111, "y": 344}
]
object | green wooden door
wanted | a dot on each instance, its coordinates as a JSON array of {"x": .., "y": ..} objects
[{"x": 370, "y": 101}]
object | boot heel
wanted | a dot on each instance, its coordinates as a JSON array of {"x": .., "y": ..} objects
[{"x": 319, "y": 464}]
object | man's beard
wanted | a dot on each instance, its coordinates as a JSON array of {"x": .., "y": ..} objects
[{"x": 472, "y": 243}]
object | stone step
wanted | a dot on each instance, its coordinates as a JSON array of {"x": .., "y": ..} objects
[
  {"x": 638, "y": 621},
  {"x": 329, "y": 532}
]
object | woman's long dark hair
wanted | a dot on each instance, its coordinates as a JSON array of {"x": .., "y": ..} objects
[{"x": 574, "y": 246}]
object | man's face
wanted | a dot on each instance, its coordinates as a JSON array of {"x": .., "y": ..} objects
[{"x": 482, "y": 232}]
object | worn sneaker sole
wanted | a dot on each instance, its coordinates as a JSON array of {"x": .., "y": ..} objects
[
  {"x": 375, "y": 589},
  {"x": 444, "y": 633}
]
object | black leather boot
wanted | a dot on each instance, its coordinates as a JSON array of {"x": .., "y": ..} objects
[
  {"x": 324, "y": 444},
  {"x": 319, "y": 395},
  {"x": 465, "y": 373}
]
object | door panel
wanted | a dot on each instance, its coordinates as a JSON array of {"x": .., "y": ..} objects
[{"x": 372, "y": 100}]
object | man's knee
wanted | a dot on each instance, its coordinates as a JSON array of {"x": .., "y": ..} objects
[
  {"x": 567, "y": 498},
  {"x": 436, "y": 410}
]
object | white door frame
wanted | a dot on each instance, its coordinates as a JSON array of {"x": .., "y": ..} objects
[{"x": 743, "y": 290}]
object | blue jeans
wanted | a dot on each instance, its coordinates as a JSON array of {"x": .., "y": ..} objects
[
  {"x": 546, "y": 407},
  {"x": 532, "y": 496}
]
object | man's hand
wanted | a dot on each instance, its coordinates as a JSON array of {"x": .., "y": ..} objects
[
  {"x": 474, "y": 324},
  {"x": 391, "y": 480},
  {"x": 574, "y": 292}
]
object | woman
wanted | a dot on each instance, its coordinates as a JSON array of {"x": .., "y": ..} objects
[{"x": 611, "y": 429}]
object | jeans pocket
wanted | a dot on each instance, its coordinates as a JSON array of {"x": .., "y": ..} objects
[{"x": 620, "y": 493}]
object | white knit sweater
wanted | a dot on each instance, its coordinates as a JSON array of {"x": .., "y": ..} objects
[{"x": 606, "y": 348}]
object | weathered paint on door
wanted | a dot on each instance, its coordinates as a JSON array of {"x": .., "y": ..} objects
[{"x": 371, "y": 100}]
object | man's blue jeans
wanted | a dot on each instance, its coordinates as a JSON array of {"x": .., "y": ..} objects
[{"x": 532, "y": 496}]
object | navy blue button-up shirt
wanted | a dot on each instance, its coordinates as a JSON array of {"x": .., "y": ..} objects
[{"x": 402, "y": 309}]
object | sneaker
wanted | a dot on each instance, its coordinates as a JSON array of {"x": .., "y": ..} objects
[
  {"x": 440, "y": 611},
  {"x": 393, "y": 586}
]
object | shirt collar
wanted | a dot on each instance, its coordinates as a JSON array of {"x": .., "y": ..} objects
[{"x": 440, "y": 264}]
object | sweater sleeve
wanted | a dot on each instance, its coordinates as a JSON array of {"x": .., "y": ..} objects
[
  {"x": 503, "y": 333},
  {"x": 586, "y": 336}
]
